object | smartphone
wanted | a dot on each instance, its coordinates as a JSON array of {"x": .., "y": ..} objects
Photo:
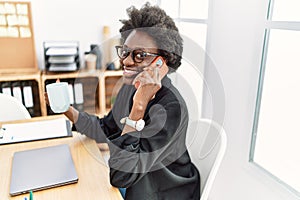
[{"x": 159, "y": 61}]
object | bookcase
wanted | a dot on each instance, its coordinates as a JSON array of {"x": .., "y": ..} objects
[{"x": 92, "y": 91}]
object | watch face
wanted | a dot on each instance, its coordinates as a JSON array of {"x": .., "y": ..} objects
[{"x": 140, "y": 125}]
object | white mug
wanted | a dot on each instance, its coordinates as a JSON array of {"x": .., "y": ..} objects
[{"x": 58, "y": 95}]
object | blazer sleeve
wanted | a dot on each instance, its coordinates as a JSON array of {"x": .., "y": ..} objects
[
  {"x": 160, "y": 143},
  {"x": 101, "y": 128},
  {"x": 97, "y": 128}
]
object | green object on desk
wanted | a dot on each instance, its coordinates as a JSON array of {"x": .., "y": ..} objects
[{"x": 30, "y": 195}]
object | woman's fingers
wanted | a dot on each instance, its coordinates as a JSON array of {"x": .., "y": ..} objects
[{"x": 149, "y": 75}]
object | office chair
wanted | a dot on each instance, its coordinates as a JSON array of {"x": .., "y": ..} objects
[
  {"x": 12, "y": 109},
  {"x": 206, "y": 142}
]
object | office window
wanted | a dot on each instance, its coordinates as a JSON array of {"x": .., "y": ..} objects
[
  {"x": 195, "y": 31},
  {"x": 170, "y": 6},
  {"x": 276, "y": 134},
  {"x": 286, "y": 10},
  {"x": 196, "y": 9},
  {"x": 191, "y": 17}
]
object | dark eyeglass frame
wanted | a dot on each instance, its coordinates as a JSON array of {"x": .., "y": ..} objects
[{"x": 134, "y": 53}]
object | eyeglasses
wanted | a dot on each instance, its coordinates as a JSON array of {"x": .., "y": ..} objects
[{"x": 138, "y": 55}]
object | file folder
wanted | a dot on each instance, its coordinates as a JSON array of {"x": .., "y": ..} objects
[{"x": 35, "y": 130}]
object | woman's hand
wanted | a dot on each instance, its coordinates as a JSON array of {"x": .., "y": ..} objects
[
  {"x": 147, "y": 83},
  {"x": 72, "y": 114}
]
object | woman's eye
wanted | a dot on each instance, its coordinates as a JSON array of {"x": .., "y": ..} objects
[
  {"x": 141, "y": 55},
  {"x": 124, "y": 53}
]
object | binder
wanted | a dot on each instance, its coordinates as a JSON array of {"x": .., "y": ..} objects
[
  {"x": 78, "y": 92},
  {"x": 16, "y": 91},
  {"x": 27, "y": 94},
  {"x": 71, "y": 92},
  {"x": 6, "y": 88},
  {"x": 28, "y": 97}
]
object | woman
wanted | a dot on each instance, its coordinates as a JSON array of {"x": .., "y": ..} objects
[{"x": 146, "y": 128}]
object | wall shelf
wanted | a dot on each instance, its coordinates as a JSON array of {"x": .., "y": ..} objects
[{"x": 97, "y": 87}]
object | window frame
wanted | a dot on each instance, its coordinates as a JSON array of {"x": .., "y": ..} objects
[
  {"x": 269, "y": 25},
  {"x": 180, "y": 19}
]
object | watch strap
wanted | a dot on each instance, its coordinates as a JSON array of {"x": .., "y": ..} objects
[{"x": 132, "y": 123}]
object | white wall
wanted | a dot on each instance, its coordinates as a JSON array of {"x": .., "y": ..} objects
[
  {"x": 235, "y": 39},
  {"x": 80, "y": 20}
]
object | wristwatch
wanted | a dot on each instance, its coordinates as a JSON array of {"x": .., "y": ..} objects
[{"x": 137, "y": 125}]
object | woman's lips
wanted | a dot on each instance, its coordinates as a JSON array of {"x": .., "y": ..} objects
[{"x": 129, "y": 72}]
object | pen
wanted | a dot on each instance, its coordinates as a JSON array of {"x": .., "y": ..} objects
[{"x": 31, "y": 195}]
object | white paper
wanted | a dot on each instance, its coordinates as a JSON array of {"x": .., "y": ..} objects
[
  {"x": 12, "y": 20},
  {"x": 63, "y": 67},
  {"x": 12, "y": 32},
  {"x": 61, "y": 51},
  {"x": 28, "y": 131},
  {"x": 61, "y": 44},
  {"x": 22, "y": 9},
  {"x": 25, "y": 32},
  {"x": 2, "y": 20},
  {"x": 10, "y": 8},
  {"x": 23, "y": 20},
  {"x": 61, "y": 59},
  {"x": 2, "y": 9},
  {"x": 3, "y": 32}
]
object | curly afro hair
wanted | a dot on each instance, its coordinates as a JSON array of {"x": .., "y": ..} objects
[{"x": 155, "y": 22}]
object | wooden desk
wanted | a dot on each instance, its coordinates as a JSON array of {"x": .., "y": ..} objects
[{"x": 91, "y": 169}]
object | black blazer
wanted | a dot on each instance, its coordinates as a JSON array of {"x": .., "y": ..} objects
[{"x": 152, "y": 164}]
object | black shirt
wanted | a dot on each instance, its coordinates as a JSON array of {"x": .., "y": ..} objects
[{"x": 152, "y": 163}]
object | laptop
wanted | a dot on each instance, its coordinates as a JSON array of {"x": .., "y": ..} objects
[{"x": 42, "y": 168}]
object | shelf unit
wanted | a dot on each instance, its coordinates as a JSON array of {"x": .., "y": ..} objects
[
  {"x": 98, "y": 88},
  {"x": 88, "y": 79},
  {"x": 95, "y": 88},
  {"x": 32, "y": 79}
]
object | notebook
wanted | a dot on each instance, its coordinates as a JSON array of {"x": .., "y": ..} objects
[{"x": 42, "y": 168}]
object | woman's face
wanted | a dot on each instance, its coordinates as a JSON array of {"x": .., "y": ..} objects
[{"x": 137, "y": 43}]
